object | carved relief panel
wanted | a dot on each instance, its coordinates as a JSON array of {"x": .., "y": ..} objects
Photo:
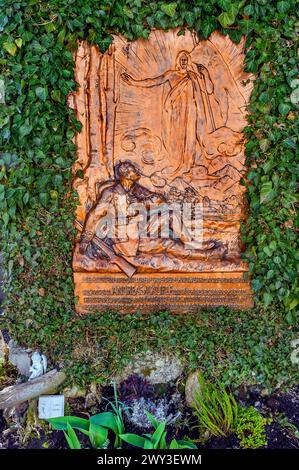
[{"x": 158, "y": 174}]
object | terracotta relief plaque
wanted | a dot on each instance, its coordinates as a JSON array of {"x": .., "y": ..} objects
[{"x": 158, "y": 174}]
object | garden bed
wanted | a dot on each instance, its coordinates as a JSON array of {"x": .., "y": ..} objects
[{"x": 281, "y": 433}]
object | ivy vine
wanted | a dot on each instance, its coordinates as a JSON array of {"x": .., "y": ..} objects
[{"x": 36, "y": 130}]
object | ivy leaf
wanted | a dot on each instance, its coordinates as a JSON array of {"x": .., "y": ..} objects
[
  {"x": 289, "y": 142},
  {"x": 267, "y": 250},
  {"x": 267, "y": 298},
  {"x": 61, "y": 36},
  {"x": 235, "y": 35},
  {"x": 248, "y": 10},
  {"x": 25, "y": 128},
  {"x": 5, "y": 218},
  {"x": 224, "y": 4},
  {"x": 291, "y": 318},
  {"x": 128, "y": 12},
  {"x": 226, "y": 19},
  {"x": 10, "y": 47},
  {"x": 267, "y": 192},
  {"x": 295, "y": 97},
  {"x": 190, "y": 18},
  {"x": 26, "y": 197},
  {"x": 19, "y": 42},
  {"x": 44, "y": 198},
  {"x": 256, "y": 284},
  {"x": 264, "y": 144},
  {"x": 105, "y": 43},
  {"x": 284, "y": 109},
  {"x": 169, "y": 9},
  {"x": 41, "y": 93},
  {"x": 56, "y": 96},
  {"x": 293, "y": 303},
  {"x": 50, "y": 27},
  {"x": 283, "y": 6},
  {"x": 207, "y": 28},
  {"x": 264, "y": 97}
]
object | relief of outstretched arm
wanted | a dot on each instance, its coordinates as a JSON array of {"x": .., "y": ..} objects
[{"x": 147, "y": 82}]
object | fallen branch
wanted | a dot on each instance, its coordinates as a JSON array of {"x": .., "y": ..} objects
[{"x": 16, "y": 394}]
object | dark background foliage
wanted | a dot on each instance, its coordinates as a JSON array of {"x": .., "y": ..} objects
[{"x": 37, "y": 202}]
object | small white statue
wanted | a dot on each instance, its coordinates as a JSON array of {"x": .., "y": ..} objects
[{"x": 39, "y": 365}]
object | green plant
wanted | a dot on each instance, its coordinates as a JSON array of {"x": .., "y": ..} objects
[
  {"x": 37, "y": 203},
  {"x": 117, "y": 426},
  {"x": 96, "y": 428},
  {"x": 215, "y": 409},
  {"x": 97, "y": 433},
  {"x": 71, "y": 438},
  {"x": 156, "y": 440},
  {"x": 290, "y": 427},
  {"x": 255, "y": 347},
  {"x": 250, "y": 428}
]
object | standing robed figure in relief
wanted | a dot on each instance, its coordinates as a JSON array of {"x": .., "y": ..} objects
[{"x": 187, "y": 115}]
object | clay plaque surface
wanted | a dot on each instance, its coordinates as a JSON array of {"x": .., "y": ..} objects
[{"x": 158, "y": 174}]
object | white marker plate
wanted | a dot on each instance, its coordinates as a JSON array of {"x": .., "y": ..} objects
[{"x": 50, "y": 406}]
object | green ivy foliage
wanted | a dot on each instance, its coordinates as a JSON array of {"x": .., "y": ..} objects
[{"x": 36, "y": 130}]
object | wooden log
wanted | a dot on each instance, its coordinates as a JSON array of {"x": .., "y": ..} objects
[{"x": 16, "y": 394}]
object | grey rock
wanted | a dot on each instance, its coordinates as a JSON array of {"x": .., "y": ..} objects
[
  {"x": 94, "y": 396},
  {"x": 155, "y": 367},
  {"x": 74, "y": 392},
  {"x": 192, "y": 387},
  {"x": 20, "y": 358}
]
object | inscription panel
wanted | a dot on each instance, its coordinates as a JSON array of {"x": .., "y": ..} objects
[
  {"x": 177, "y": 293},
  {"x": 160, "y": 160}
]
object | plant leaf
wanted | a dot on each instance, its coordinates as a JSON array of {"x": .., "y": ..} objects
[
  {"x": 62, "y": 422},
  {"x": 158, "y": 434},
  {"x": 10, "y": 47},
  {"x": 72, "y": 438},
  {"x": 226, "y": 19},
  {"x": 169, "y": 9},
  {"x": 98, "y": 435},
  {"x": 41, "y": 93},
  {"x": 106, "y": 419},
  {"x": 135, "y": 440},
  {"x": 152, "y": 419},
  {"x": 19, "y": 42}
]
